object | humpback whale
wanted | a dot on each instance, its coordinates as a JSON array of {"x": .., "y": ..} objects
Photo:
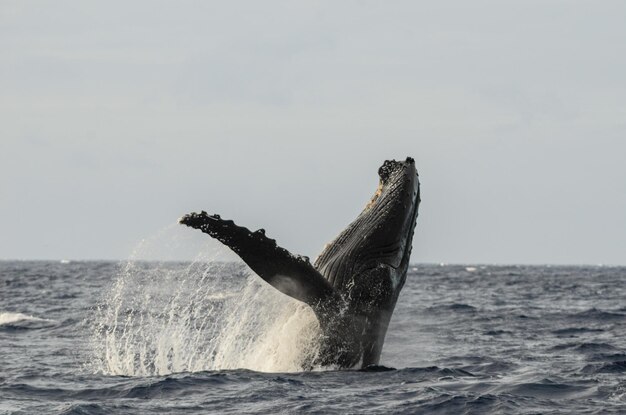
[{"x": 353, "y": 285}]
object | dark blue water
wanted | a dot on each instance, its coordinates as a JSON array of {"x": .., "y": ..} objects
[{"x": 463, "y": 339}]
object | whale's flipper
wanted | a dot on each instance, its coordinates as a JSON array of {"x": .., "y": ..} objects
[{"x": 290, "y": 274}]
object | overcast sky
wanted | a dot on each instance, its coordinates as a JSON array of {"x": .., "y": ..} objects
[{"x": 118, "y": 117}]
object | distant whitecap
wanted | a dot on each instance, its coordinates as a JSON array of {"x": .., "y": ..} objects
[{"x": 11, "y": 319}]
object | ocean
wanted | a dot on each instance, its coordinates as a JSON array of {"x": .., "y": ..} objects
[{"x": 209, "y": 337}]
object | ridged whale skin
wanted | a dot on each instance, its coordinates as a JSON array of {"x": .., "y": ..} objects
[{"x": 354, "y": 283}]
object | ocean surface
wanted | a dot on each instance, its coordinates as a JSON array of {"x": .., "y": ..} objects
[{"x": 208, "y": 337}]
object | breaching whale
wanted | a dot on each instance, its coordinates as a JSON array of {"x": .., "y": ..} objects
[{"x": 354, "y": 283}]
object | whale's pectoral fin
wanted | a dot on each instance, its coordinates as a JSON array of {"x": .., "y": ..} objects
[{"x": 291, "y": 275}]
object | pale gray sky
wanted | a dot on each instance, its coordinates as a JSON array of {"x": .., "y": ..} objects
[{"x": 118, "y": 117}]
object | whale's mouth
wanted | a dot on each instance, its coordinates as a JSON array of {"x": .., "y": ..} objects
[
  {"x": 388, "y": 220},
  {"x": 393, "y": 174},
  {"x": 391, "y": 168}
]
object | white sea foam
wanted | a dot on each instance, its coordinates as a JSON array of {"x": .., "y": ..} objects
[{"x": 161, "y": 318}]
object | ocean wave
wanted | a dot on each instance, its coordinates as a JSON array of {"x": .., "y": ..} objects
[
  {"x": 457, "y": 307},
  {"x": 497, "y": 332},
  {"x": 94, "y": 409},
  {"x": 607, "y": 357},
  {"x": 596, "y": 314},
  {"x": 377, "y": 368},
  {"x": 613, "y": 367},
  {"x": 573, "y": 331},
  {"x": 434, "y": 372},
  {"x": 550, "y": 390},
  {"x": 459, "y": 404},
  {"x": 584, "y": 347},
  {"x": 9, "y": 320}
]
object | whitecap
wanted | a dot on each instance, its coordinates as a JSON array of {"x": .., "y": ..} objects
[{"x": 8, "y": 318}]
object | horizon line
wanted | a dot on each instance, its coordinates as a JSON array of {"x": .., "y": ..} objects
[{"x": 411, "y": 264}]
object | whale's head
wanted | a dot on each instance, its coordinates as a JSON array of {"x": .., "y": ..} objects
[
  {"x": 382, "y": 234},
  {"x": 387, "y": 223},
  {"x": 389, "y": 218}
]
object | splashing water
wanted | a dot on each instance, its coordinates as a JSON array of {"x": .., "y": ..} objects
[{"x": 207, "y": 314}]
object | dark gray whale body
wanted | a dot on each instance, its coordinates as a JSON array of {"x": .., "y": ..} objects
[{"x": 355, "y": 282}]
